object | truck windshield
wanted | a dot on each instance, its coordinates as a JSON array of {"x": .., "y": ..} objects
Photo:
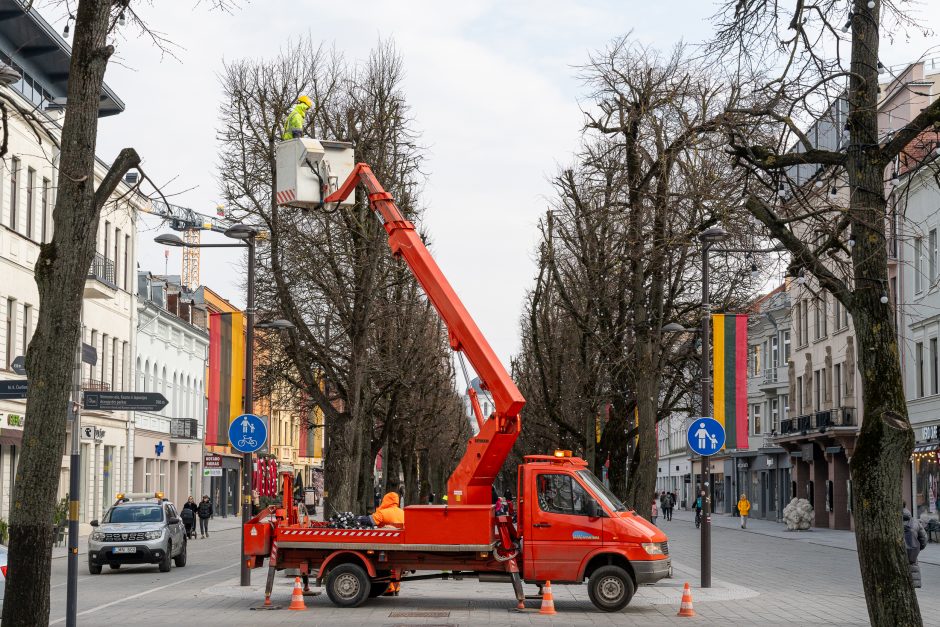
[
  {"x": 601, "y": 491},
  {"x": 135, "y": 514}
]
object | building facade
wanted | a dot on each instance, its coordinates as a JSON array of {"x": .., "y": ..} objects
[
  {"x": 172, "y": 349},
  {"x": 28, "y": 175}
]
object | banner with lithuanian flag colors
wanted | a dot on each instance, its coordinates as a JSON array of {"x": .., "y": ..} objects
[
  {"x": 729, "y": 338},
  {"x": 226, "y": 374}
]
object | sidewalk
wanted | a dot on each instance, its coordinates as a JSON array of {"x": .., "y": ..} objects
[
  {"x": 833, "y": 538},
  {"x": 215, "y": 524}
]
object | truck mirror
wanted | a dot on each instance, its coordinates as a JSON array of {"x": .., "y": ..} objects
[{"x": 593, "y": 511}]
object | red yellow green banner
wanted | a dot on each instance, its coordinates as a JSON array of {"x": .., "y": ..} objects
[{"x": 729, "y": 373}]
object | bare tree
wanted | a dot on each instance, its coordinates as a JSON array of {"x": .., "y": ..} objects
[{"x": 798, "y": 62}]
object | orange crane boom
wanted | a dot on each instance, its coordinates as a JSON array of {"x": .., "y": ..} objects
[{"x": 472, "y": 480}]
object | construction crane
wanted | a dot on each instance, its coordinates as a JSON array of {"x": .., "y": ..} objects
[{"x": 191, "y": 224}]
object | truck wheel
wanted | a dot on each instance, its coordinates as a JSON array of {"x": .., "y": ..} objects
[
  {"x": 610, "y": 588},
  {"x": 348, "y": 585},
  {"x": 165, "y": 562},
  {"x": 94, "y": 569}
]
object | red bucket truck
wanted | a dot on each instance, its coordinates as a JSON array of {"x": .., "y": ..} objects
[{"x": 569, "y": 528}]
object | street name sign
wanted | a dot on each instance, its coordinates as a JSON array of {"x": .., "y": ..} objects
[
  {"x": 19, "y": 365},
  {"x": 10, "y": 388},
  {"x": 706, "y": 436},
  {"x": 132, "y": 401},
  {"x": 247, "y": 433}
]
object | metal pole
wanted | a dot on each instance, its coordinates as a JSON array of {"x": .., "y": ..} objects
[
  {"x": 249, "y": 404},
  {"x": 706, "y": 410},
  {"x": 75, "y": 469}
]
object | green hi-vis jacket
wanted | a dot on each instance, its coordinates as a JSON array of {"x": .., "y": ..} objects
[{"x": 295, "y": 120}]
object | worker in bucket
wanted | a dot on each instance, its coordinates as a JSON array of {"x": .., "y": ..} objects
[
  {"x": 294, "y": 125},
  {"x": 389, "y": 514}
]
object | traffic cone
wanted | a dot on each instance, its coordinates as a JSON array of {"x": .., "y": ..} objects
[
  {"x": 685, "y": 609},
  {"x": 267, "y": 600},
  {"x": 297, "y": 597},
  {"x": 548, "y": 603}
]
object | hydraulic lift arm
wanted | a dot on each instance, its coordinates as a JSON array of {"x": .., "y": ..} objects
[{"x": 471, "y": 481}]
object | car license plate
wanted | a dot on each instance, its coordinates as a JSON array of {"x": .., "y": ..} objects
[{"x": 125, "y": 549}]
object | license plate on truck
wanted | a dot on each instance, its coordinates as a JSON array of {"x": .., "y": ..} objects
[{"x": 125, "y": 549}]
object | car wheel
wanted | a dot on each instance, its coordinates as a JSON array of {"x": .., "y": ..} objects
[
  {"x": 180, "y": 560},
  {"x": 165, "y": 562},
  {"x": 610, "y": 588},
  {"x": 348, "y": 585},
  {"x": 114, "y": 566},
  {"x": 94, "y": 569}
]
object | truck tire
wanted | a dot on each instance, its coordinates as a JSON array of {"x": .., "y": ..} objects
[
  {"x": 165, "y": 562},
  {"x": 93, "y": 569},
  {"x": 348, "y": 585},
  {"x": 610, "y": 588}
]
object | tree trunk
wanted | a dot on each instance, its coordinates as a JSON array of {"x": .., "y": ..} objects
[
  {"x": 341, "y": 468},
  {"x": 641, "y": 484},
  {"x": 60, "y": 273},
  {"x": 424, "y": 476}
]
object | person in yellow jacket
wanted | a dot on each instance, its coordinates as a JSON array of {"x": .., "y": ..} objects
[
  {"x": 294, "y": 124},
  {"x": 744, "y": 508}
]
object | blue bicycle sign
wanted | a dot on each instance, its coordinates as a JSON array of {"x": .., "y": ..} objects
[
  {"x": 247, "y": 433},
  {"x": 706, "y": 436}
]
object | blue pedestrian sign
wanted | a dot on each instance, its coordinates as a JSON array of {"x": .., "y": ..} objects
[
  {"x": 706, "y": 436},
  {"x": 247, "y": 433}
]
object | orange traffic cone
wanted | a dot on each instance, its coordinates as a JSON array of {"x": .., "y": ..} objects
[
  {"x": 297, "y": 598},
  {"x": 548, "y": 603},
  {"x": 267, "y": 600},
  {"x": 685, "y": 609}
]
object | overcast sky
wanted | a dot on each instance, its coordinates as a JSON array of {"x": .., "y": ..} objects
[{"x": 494, "y": 92}]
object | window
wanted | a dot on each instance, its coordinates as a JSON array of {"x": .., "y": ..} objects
[
  {"x": 14, "y": 184},
  {"x": 785, "y": 406},
  {"x": 799, "y": 395},
  {"x": 45, "y": 210},
  {"x": 94, "y": 344},
  {"x": 824, "y": 314},
  {"x": 797, "y": 315},
  {"x": 919, "y": 364},
  {"x": 755, "y": 418},
  {"x": 103, "y": 358},
  {"x": 933, "y": 366},
  {"x": 560, "y": 494},
  {"x": 918, "y": 264},
  {"x": 805, "y": 310},
  {"x": 11, "y": 325},
  {"x": 117, "y": 258},
  {"x": 27, "y": 321},
  {"x": 837, "y": 385},
  {"x": 30, "y": 207},
  {"x": 774, "y": 414},
  {"x": 932, "y": 255},
  {"x": 116, "y": 370},
  {"x": 107, "y": 239},
  {"x": 774, "y": 352},
  {"x": 755, "y": 360},
  {"x": 817, "y": 387},
  {"x": 786, "y": 347},
  {"x": 127, "y": 264},
  {"x": 836, "y": 314}
]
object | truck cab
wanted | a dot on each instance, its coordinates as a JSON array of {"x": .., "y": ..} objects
[{"x": 573, "y": 528}]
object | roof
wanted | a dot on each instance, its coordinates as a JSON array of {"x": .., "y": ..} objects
[{"x": 32, "y": 43}]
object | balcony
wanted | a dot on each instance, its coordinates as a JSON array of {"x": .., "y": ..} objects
[
  {"x": 100, "y": 282},
  {"x": 819, "y": 421},
  {"x": 771, "y": 379},
  {"x": 95, "y": 385}
]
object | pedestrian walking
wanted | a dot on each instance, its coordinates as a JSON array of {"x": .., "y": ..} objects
[
  {"x": 669, "y": 503},
  {"x": 915, "y": 541},
  {"x": 744, "y": 508},
  {"x": 188, "y": 516},
  {"x": 205, "y": 513},
  {"x": 654, "y": 512}
]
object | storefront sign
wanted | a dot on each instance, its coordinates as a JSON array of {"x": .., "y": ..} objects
[
  {"x": 14, "y": 421},
  {"x": 212, "y": 461},
  {"x": 929, "y": 433},
  {"x": 92, "y": 433},
  {"x": 212, "y": 472}
]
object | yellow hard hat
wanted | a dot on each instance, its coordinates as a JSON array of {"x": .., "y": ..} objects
[{"x": 306, "y": 100}]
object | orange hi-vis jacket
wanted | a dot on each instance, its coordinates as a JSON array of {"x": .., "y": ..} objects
[
  {"x": 388, "y": 513},
  {"x": 744, "y": 507}
]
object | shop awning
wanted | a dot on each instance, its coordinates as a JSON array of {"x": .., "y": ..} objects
[{"x": 927, "y": 447}]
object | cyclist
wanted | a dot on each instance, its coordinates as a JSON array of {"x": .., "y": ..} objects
[{"x": 698, "y": 509}]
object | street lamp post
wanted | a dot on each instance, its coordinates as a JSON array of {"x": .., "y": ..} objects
[{"x": 245, "y": 233}]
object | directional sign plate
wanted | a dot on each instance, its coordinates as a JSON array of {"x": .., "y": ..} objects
[
  {"x": 133, "y": 401},
  {"x": 247, "y": 433},
  {"x": 19, "y": 365},
  {"x": 706, "y": 436},
  {"x": 13, "y": 389}
]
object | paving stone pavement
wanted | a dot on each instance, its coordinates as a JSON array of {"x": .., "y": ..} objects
[{"x": 759, "y": 578}]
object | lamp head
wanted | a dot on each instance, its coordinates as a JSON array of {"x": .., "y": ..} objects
[
  {"x": 168, "y": 239},
  {"x": 242, "y": 232},
  {"x": 275, "y": 324},
  {"x": 713, "y": 234}
]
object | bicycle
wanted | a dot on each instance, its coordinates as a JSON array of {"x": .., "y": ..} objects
[{"x": 247, "y": 442}]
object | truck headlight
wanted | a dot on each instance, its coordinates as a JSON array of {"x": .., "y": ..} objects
[
  {"x": 653, "y": 548},
  {"x": 97, "y": 536},
  {"x": 154, "y": 535}
]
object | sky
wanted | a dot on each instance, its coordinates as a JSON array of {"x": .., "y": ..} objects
[{"x": 495, "y": 95}]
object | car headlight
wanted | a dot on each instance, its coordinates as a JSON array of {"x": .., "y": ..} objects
[
  {"x": 154, "y": 535},
  {"x": 653, "y": 548},
  {"x": 97, "y": 536}
]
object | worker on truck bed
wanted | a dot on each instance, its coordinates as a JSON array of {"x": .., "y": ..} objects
[
  {"x": 294, "y": 125},
  {"x": 388, "y": 513}
]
